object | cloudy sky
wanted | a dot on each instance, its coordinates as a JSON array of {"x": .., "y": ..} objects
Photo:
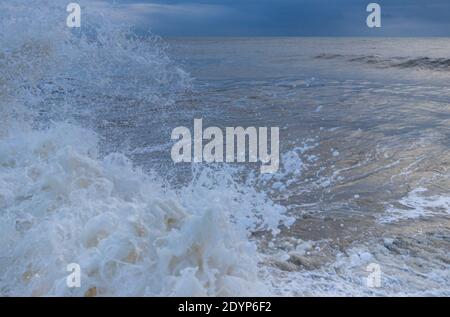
[{"x": 285, "y": 17}]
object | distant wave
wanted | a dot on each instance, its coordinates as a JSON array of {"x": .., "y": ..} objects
[{"x": 428, "y": 63}]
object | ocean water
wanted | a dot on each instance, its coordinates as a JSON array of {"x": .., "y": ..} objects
[{"x": 86, "y": 175}]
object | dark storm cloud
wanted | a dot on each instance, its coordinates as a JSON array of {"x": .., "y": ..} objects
[{"x": 288, "y": 17}]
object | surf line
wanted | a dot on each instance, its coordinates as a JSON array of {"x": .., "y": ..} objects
[{"x": 236, "y": 139}]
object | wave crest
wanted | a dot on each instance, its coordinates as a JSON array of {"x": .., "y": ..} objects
[{"x": 427, "y": 63}]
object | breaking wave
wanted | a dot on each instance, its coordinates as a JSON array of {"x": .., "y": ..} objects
[{"x": 62, "y": 202}]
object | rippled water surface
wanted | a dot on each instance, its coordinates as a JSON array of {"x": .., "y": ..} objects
[
  {"x": 365, "y": 151},
  {"x": 365, "y": 147}
]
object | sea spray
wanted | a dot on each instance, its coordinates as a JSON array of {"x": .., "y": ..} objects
[{"x": 62, "y": 202}]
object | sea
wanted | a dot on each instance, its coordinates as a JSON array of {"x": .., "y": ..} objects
[{"x": 360, "y": 205}]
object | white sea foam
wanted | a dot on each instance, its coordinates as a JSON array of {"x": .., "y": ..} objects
[
  {"x": 348, "y": 274},
  {"x": 61, "y": 203},
  {"x": 417, "y": 205}
]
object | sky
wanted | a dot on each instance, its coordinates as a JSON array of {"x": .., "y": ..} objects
[{"x": 192, "y": 18}]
